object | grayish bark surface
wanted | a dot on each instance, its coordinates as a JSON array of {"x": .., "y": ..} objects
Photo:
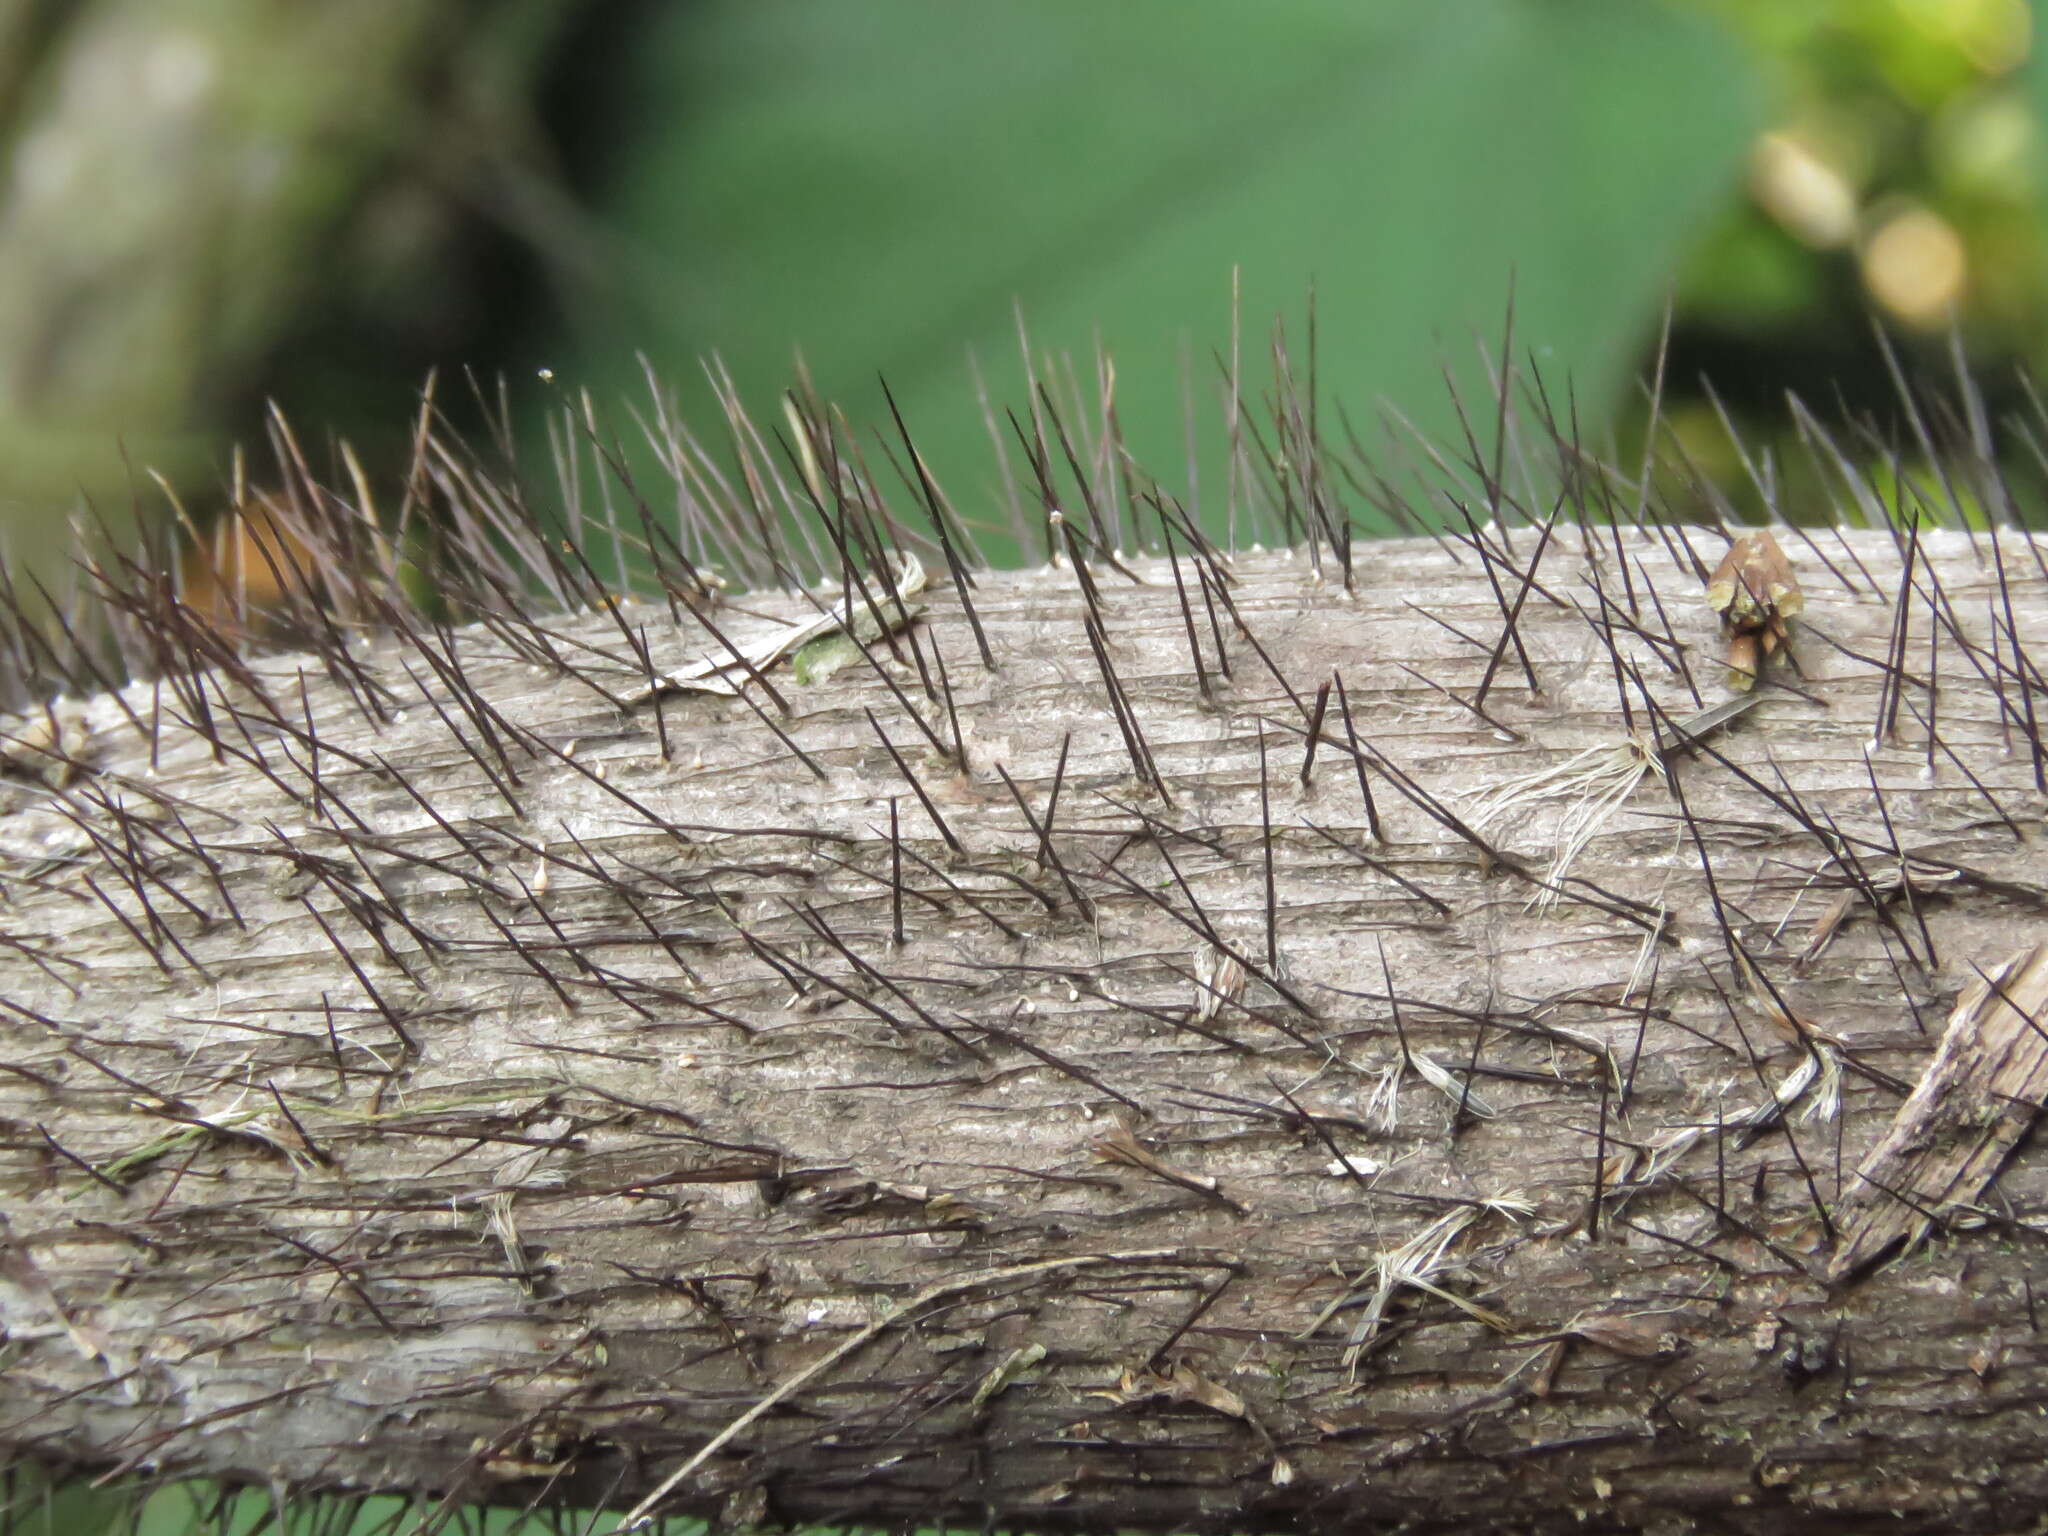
[{"x": 482, "y": 1097}]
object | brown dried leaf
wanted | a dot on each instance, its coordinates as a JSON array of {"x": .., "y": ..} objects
[
  {"x": 1189, "y": 1386},
  {"x": 1625, "y": 1335},
  {"x": 1121, "y": 1147},
  {"x": 1181, "y": 1384},
  {"x": 1825, "y": 927},
  {"x": 1796, "y": 1027},
  {"x": 1756, "y": 594},
  {"x": 1753, "y": 587}
]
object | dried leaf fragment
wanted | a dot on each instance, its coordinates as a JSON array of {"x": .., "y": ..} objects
[
  {"x": 1756, "y": 594},
  {"x": 1121, "y": 1147},
  {"x": 864, "y": 615},
  {"x": 1971, "y": 1108},
  {"x": 1179, "y": 1384},
  {"x": 1219, "y": 981},
  {"x": 1629, "y": 1335},
  {"x": 1792, "y": 1025},
  {"x": 49, "y": 748},
  {"x": 1013, "y": 1367},
  {"x": 1753, "y": 586}
]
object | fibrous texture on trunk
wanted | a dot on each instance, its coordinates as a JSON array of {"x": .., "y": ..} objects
[{"x": 1362, "y": 1037}]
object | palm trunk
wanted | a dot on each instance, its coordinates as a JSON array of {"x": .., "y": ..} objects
[{"x": 422, "y": 1070}]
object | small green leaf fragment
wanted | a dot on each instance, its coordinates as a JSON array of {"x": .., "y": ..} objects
[
  {"x": 818, "y": 659},
  {"x": 822, "y": 657}
]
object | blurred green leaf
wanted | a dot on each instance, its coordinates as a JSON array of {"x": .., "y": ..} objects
[
  {"x": 34, "y": 1503},
  {"x": 2034, "y": 77},
  {"x": 878, "y": 184},
  {"x": 1750, "y": 274}
]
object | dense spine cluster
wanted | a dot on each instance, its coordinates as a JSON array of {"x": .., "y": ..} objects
[{"x": 1357, "y": 1035}]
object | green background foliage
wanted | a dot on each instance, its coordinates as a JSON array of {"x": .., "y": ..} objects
[
  {"x": 882, "y": 187},
  {"x": 215, "y": 203}
]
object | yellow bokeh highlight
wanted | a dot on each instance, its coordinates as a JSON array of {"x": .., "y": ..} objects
[
  {"x": 1915, "y": 266},
  {"x": 1802, "y": 191}
]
